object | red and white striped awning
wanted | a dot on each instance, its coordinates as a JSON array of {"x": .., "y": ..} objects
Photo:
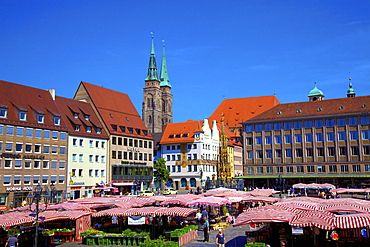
[
  {"x": 349, "y": 221},
  {"x": 263, "y": 215},
  {"x": 60, "y": 215},
  {"x": 15, "y": 218},
  {"x": 322, "y": 220},
  {"x": 177, "y": 200},
  {"x": 175, "y": 211}
]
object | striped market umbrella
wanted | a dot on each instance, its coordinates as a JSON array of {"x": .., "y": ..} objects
[{"x": 15, "y": 218}]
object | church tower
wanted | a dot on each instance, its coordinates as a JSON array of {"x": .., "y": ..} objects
[{"x": 157, "y": 103}]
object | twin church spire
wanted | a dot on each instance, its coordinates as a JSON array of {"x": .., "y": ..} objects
[
  {"x": 157, "y": 103},
  {"x": 152, "y": 68}
]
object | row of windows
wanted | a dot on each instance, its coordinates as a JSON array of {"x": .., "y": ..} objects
[
  {"x": 92, "y": 173},
  {"x": 129, "y": 129},
  {"x": 35, "y": 179},
  {"x": 353, "y": 121},
  {"x": 29, "y": 132},
  {"x": 32, "y": 148},
  {"x": 34, "y": 164},
  {"x": 192, "y": 168},
  {"x": 131, "y": 156},
  {"x": 97, "y": 159},
  {"x": 309, "y": 137},
  {"x": 320, "y": 152},
  {"x": 22, "y": 115},
  {"x": 131, "y": 142},
  {"x": 80, "y": 142},
  {"x": 356, "y": 168}
]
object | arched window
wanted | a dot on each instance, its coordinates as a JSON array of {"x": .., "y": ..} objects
[
  {"x": 149, "y": 102},
  {"x": 149, "y": 119},
  {"x": 183, "y": 182},
  {"x": 193, "y": 183}
]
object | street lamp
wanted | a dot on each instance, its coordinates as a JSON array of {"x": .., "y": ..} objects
[
  {"x": 39, "y": 194},
  {"x": 280, "y": 182}
]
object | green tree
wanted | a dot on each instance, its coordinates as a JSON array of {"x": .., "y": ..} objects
[{"x": 161, "y": 173}]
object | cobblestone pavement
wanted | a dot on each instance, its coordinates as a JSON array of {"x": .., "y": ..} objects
[{"x": 235, "y": 237}]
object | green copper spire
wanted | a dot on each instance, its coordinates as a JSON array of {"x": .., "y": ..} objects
[
  {"x": 165, "y": 81},
  {"x": 350, "y": 92},
  {"x": 152, "y": 69}
]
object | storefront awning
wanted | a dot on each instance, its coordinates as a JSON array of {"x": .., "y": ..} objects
[{"x": 123, "y": 184}]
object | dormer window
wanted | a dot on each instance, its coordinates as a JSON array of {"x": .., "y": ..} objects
[
  {"x": 319, "y": 109},
  {"x": 178, "y": 136},
  {"x": 56, "y": 120},
  {"x": 114, "y": 127},
  {"x": 3, "y": 113},
  {"x": 77, "y": 127},
  {"x": 98, "y": 130},
  {"x": 88, "y": 129},
  {"x": 123, "y": 128},
  {"x": 22, "y": 115},
  {"x": 341, "y": 107},
  {"x": 171, "y": 136},
  {"x": 131, "y": 130},
  {"x": 138, "y": 131},
  {"x": 299, "y": 111},
  {"x": 278, "y": 113},
  {"x": 185, "y": 135},
  {"x": 75, "y": 115},
  {"x": 145, "y": 132},
  {"x": 40, "y": 118},
  {"x": 364, "y": 106},
  {"x": 87, "y": 117}
]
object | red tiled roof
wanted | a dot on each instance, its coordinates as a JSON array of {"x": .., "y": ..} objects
[
  {"x": 68, "y": 107},
  {"x": 116, "y": 109},
  {"x": 319, "y": 108},
  {"x": 241, "y": 109},
  {"x": 174, "y": 132},
  {"x": 35, "y": 101},
  {"x": 175, "y": 129}
]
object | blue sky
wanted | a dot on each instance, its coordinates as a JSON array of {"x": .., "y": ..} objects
[{"x": 215, "y": 49}]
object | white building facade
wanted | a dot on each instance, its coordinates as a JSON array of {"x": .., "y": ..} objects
[{"x": 190, "y": 153}]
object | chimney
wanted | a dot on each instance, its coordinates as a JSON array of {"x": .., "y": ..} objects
[{"x": 52, "y": 93}]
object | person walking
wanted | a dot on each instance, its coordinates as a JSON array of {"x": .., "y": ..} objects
[
  {"x": 12, "y": 241},
  {"x": 206, "y": 230},
  {"x": 220, "y": 238}
]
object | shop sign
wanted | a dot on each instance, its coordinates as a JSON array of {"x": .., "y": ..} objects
[
  {"x": 78, "y": 183},
  {"x": 7, "y": 155},
  {"x": 297, "y": 230},
  {"x": 34, "y": 156},
  {"x": 133, "y": 149},
  {"x": 136, "y": 220},
  {"x": 75, "y": 188},
  {"x": 133, "y": 163},
  {"x": 28, "y": 188},
  {"x": 3, "y": 207}
]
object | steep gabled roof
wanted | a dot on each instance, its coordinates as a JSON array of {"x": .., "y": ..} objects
[
  {"x": 116, "y": 109},
  {"x": 180, "y": 132},
  {"x": 34, "y": 101},
  {"x": 184, "y": 132},
  {"x": 68, "y": 107},
  {"x": 322, "y": 108},
  {"x": 241, "y": 109}
]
